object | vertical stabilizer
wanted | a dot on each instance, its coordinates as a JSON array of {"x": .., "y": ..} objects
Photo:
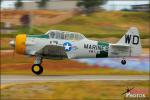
[{"x": 132, "y": 38}]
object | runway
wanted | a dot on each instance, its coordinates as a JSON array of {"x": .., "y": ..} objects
[{"x": 9, "y": 79}]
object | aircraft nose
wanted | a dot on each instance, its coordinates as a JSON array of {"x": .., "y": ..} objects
[{"x": 12, "y": 43}]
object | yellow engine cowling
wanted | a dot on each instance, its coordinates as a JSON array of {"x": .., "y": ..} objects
[{"x": 20, "y": 43}]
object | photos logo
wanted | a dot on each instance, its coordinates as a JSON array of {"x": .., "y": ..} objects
[{"x": 135, "y": 93}]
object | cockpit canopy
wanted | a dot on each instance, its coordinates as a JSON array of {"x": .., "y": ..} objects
[{"x": 57, "y": 34}]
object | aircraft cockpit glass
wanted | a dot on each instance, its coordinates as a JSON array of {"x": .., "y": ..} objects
[
  {"x": 56, "y": 34},
  {"x": 52, "y": 35},
  {"x": 79, "y": 37},
  {"x": 73, "y": 36},
  {"x": 62, "y": 36}
]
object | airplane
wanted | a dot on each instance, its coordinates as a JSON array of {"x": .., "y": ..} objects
[{"x": 57, "y": 44}]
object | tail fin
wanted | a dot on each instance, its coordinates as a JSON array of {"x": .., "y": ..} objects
[{"x": 132, "y": 38}]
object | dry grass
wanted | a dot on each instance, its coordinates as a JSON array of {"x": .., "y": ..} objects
[
  {"x": 83, "y": 90},
  {"x": 105, "y": 24}
]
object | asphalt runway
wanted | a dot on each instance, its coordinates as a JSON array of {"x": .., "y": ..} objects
[{"x": 9, "y": 79}]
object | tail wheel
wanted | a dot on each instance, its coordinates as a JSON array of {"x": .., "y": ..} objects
[
  {"x": 37, "y": 69},
  {"x": 123, "y": 62}
]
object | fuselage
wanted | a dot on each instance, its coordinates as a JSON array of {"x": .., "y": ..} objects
[
  {"x": 79, "y": 47},
  {"x": 84, "y": 48},
  {"x": 65, "y": 44}
]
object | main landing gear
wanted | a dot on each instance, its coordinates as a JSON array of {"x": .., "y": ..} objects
[
  {"x": 123, "y": 61},
  {"x": 36, "y": 67}
]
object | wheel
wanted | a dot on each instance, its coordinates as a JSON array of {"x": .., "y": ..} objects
[
  {"x": 123, "y": 62},
  {"x": 37, "y": 69}
]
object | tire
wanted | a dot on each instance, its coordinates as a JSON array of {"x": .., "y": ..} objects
[
  {"x": 123, "y": 62},
  {"x": 37, "y": 69}
]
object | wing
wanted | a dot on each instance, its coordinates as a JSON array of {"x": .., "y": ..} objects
[{"x": 52, "y": 52}]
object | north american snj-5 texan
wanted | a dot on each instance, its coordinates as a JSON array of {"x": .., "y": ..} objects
[{"x": 56, "y": 44}]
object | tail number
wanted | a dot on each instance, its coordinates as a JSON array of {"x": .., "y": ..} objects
[{"x": 135, "y": 39}]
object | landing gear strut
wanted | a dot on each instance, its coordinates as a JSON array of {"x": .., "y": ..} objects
[
  {"x": 36, "y": 67},
  {"x": 123, "y": 62}
]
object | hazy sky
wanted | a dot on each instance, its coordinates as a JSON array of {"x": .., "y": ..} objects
[
  {"x": 121, "y": 4},
  {"x": 110, "y": 5}
]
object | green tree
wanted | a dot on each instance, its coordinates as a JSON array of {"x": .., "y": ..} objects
[
  {"x": 90, "y": 5},
  {"x": 42, "y": 4},
  {"x": 18, "y": 4}
]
